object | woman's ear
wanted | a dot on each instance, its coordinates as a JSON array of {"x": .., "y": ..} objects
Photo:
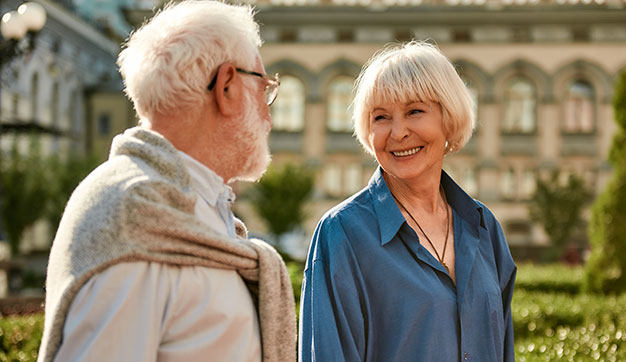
[{"x": 227, "y": 89}]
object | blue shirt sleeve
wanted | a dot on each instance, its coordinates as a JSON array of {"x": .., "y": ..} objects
[
  {"x": 507, "y": 295},
  {"x": 506, "y": 272},
  {"x": 332, "y": 312}
]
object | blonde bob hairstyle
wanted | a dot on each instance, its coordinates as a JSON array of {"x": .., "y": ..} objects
[
  {"x": 168, "y": 63},
  {"x": 414, "y": 71}
]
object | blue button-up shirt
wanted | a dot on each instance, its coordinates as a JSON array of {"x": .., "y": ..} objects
[{"x": 372, "y": 292}]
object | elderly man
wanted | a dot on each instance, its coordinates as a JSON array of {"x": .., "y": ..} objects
[{"x": 149, "y": 262}]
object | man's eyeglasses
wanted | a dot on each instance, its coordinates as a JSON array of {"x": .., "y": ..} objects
[{"x": 271, "y": 90}]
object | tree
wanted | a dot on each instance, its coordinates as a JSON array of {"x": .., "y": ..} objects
[
  {"x": 605, "y": 271},
  {"x": 557, "y": 207},
  {"x": 279, "y": 198},
  {"x": 64, "y": 175},
  {"x": 37, "y": 187},
  {"x": 25, "y": 190}
]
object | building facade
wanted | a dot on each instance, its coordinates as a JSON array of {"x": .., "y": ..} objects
[
  {"x": 57, "y": 91},
  {"x": 541, "y": 73}
]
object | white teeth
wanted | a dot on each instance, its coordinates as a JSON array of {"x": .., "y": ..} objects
[{"x": 407, "y": 152}]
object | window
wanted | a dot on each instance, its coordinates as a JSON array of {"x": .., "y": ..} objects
[
  {"x": 517, "y": 232},
  {"x": 71, "y": 111},
  {"x": 520, "y": 107},
  {"x": 470, "y": 185},
  {"x": 473, "y": 92},
  {"x": 288, "y": 110},
  {"x": 508, "y": 184},
  {"x": 332, "y": 180},
  {"x": 104, "y": 124},
  {"x": 342, "y": 180},
  {"x": 34, "y": 97},
  {"x": 339, "y": 99},
  {"x": 54, "y": 105},
  {"x": 15, "y": 107},
  {"x": 579, "y": 108},
  {"x": 529, "y": 184},
  {"x": 353, "y": 178},
  {"x": 517, "y": 183}
]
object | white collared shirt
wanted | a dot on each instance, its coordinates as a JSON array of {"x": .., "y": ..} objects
[
  {"x": 214, "y": 197},
  {"x": 143, "y": 311}
]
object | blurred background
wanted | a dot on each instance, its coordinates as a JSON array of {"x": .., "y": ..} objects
[{"x": 546, "y": 155}]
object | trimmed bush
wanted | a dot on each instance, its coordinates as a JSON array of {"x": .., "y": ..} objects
[
  {"x": 551, "y": 278},
  {"x": 606, "y": 270},
  {"x": 20, "y": 337},
  {"x": 280, "y": 196}
]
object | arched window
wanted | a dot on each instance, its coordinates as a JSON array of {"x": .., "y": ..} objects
[
  {"x": 473, "y": 91},
  {"x": 34, "y": 97},
  {"x": 288, "y": 109},
  {"x": 520, "y": 107},
  {"x": 353, "y": 178},
  {"x": 71, "y": 111},
  {"x": 339, "y": 99},
  {"x": 15, "y": 106},
  {"x": 54, "y": 105},
  {"x": 470, "y": 184},
  {"x": 508, "y": 184},
  {"x": 579, "y": 108},
  {"x": 344, "y": 179},
  {"x": 332, "y": 180},
  {"x": 529, "y": 184}
]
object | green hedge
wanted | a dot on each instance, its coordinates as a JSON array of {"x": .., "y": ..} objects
[
  {"x": 553, "y": 321},
  {"x": 549, "y": 278},
  {"x": 20, "y": 337}
]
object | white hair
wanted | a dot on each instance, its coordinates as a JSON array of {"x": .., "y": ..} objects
[
  {"x": 168, "y": 63},
  {"x": 414, "y": 71}
]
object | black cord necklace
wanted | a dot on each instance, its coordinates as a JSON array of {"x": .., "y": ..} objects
[{"x": 445, "y": 244}]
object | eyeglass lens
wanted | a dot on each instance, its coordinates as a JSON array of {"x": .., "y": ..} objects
[{"x": 272, "y": 90}]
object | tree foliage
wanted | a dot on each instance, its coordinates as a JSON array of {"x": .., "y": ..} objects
[
  {"x": 605, "y": 271},
  {"x": 64, "y": 175},
  {"x": 37, "y": 187},
  {"x": 557, "y": 207},
  {"x": 24, "y": 190},
  {"x": 280, "y": 196}
]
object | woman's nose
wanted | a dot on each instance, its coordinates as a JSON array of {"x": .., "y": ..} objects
[{"x": 399, "y": 129}]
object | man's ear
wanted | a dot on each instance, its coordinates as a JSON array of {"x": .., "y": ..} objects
[{"x": 227, "y": 90}]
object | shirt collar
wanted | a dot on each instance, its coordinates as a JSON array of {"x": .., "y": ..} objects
[
  {"x": 209, "y": 185},
  {"x": 390, "y": 218}
]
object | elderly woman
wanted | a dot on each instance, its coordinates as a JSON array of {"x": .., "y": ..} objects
[{"x": 411, "y": 268}]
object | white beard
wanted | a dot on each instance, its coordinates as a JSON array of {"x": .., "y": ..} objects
[{"x": 252, "y": 141}]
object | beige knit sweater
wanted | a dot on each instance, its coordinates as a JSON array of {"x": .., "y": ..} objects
[{"x": 138, "y": 206}]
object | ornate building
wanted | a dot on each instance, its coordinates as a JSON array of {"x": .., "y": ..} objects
[{"x": 541, "y": 72}]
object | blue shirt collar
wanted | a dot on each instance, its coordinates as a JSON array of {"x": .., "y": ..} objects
[{"x": 390, "y": 218}]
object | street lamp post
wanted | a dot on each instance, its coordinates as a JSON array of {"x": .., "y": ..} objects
[{"x": 18, "y": 29}]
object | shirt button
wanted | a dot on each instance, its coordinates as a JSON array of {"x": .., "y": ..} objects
[{"x": 465, "y": 356}]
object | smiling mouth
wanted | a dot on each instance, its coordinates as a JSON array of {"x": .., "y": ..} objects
[{"x": 410, "y": 152}]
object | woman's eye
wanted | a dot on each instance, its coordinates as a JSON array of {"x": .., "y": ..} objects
[
  {"x": 415, "y": 111},
  {"x": 379, "y": 118}
]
